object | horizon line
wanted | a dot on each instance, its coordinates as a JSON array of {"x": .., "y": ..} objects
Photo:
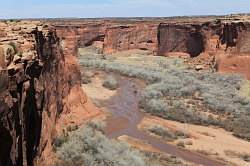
[{"x": 117, "y": 17}]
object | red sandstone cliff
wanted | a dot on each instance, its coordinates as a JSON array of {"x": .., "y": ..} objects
[
  {"x": 126, "y": 37},
  {"x": 211, "y": 43},
  {"x": 40, "y": 92}
]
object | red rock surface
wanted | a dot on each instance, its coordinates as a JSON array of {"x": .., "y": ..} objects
[
  {"x": 126, "y": 37},
  {"x": 40, "y": 93},
  {"x": 204, "y": 39}
]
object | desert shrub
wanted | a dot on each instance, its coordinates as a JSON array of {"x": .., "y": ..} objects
[
  {"x": 86, "y": 80},
  {"x": 110, "y": 83},
  {"x": 181, "y": 144},
  {"x": 181, "y": 134},
  {"x": 59, "y": 141},
  {"x": 86, "y": 77},
  {"x": 165, "y": 160},
  {"x": 162, "y": 132},
  {"x": 243, "y": 156},
  {"x": 97, "y": 125},
  {"x": 178, "y": 111},
  {"x": 87, "y": 146},
  {"x": 155, "y": 106},
  {"x": 167, "y": 134},
  {"x": 169, "y": 87},
  {"x": 72, "y": 128},
  {"x": 239, "y": 125}
]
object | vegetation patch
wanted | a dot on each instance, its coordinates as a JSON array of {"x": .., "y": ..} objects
[
  {"x": 110, "y": 83},
  {"x": 88, "y": 146},
  {"x": 183, "y": 95},
  {"x": 167, "y": 134},
  {"x": 86, "y": 77}
]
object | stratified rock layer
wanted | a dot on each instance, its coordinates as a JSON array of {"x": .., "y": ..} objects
[
  {"x": 40, "y": 92},
  {"x": 207, "y": 42}
]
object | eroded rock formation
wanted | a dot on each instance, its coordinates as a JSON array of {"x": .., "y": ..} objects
[
  {"x": 208, "y": 43},
  {"x": 40, "y": 92},
  {"x": 127, "y": 37},
  {"x": 180, "y": 38}
]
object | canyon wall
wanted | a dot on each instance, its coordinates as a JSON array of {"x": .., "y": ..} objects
[
  {"x": 236, "y": 56},
  {"x": 126, "y": 37},
  {"x": 180, "y": 38},
  {"x": 40, "y": 92},
  {"x": 210, "y": 44}
]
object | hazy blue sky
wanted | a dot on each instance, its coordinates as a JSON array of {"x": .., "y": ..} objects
[{"x": 118, "y": 8}]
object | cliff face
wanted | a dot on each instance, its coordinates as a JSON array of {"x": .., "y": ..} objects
[
  {"x": 180, "y": 38},
  {"x": 109, "y": 36},
  {"x": 126, "y": 37},
  {"x": 208, "y": 43},
  {"x": 81, "y": 35},
  {"x": 236, "y": 57},
  {"x": 40, "y": 92}
]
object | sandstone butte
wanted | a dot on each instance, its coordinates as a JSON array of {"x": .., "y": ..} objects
[{"x": 40, "y": 82}]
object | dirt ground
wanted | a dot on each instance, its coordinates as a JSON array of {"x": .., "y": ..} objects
[
  {"x": 95, "y": 90},
  {"x": 206, "y": 140}
]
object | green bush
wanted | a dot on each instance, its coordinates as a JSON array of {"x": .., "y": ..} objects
[
  {"x": 97, "y": 125},
  {"x": 59, "y": 141},
  {"x": 163, "y": 132},
  {"x": 86, "y": 77},
  {"x": 87, "y": 146},
  {"x": 110, "y": 83}
]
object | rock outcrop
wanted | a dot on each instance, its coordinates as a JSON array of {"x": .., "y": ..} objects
[
  {"x": 126, "y": 37},
  {"x": 180, "y": 38},
  {"x": 40, "y": 92},
  {"x": 205, "y": 41}
]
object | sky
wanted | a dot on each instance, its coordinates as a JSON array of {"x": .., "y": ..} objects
[{"x": 119, "y": 8}]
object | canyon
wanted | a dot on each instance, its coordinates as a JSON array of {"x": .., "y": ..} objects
[
  {"x": 40, "y": 78},
  {"x": 218, "y": 44}
]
